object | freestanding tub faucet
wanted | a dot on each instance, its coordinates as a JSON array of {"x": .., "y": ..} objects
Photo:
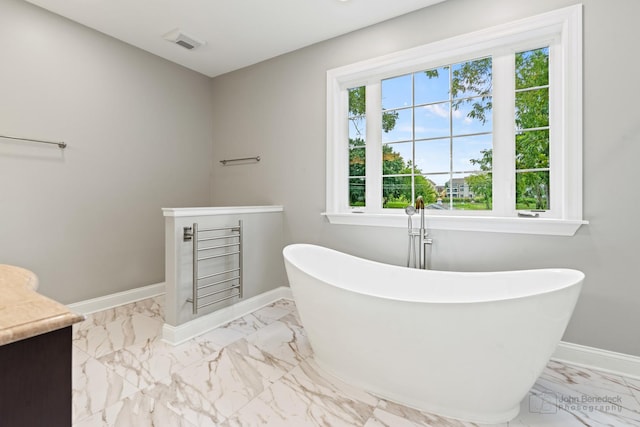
[{"x": 419, "y": 237}]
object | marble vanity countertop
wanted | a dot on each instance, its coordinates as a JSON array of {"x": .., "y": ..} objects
[{"x": 24, "y": 313}]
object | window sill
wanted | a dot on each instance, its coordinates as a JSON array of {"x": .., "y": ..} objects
[{"x": 542, "y": 226}]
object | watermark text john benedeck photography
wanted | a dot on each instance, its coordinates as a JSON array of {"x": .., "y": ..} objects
[{"x": 550, "y": 402}]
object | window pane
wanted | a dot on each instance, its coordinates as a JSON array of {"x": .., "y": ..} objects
[
  {"x": 356, "y": 192},
  {"x": 439, "y": 180},
  {"x": 357, "y": 104},
  {"x": 397, "y": 158},
  {"x": 456, "y": 188},
  {"x": 402, "y": 129},
  {"x": 426, "y": 188},
  {"x": 471, "y": 78},
  {"x": 431, "y": 86},
  {"x": 532, "y": 108},
  {"x": 474, "y": 115},
  {"x": 532, "y": 149},
  {"x": 532, "y": 190},
  {"x": 433, "y": 156},
  {"x": 396, "y": 192},
  {"x": 357, "y": 165},
  {"x": 396, "y": 92},
  {"x": 472, "y": 153},
  {"x": 532, "y": 146},
  {"x": 469, "y": 192},
  {"x": 357, "y": 140},
  {"x": 532, "y": 68},
  {"x": 432, "y": 121},
  {"x": 480, "y": 187},
  {"x": 357, "y": 130}
]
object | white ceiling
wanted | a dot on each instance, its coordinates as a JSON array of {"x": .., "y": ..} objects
[{"x": 237, "y": 33}]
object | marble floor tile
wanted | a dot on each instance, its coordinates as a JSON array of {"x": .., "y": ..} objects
[
  {"x": 151, "y": 307},
  {"x": 219, "y": 337},
  {"x": 138, "y": 410},
  {"x": 591, "y": 397},
  {"x": 307, "y": 397},
  {"x": 383, "y": 418},
  {"x": 124, "y": 331},
  {"x": 208, "y": 392},
  {"x": 271, "y": 313},
  {"x": 286, "y": 304},
  {"x": 395, "y": 415},
  {"x": 634, "y": 386},
  {"x": 245, "y": 325},
  {"x": 282, "y": 341},
  {"x": 94, "y": 386},
  {"x": 310, "y": 376},
  {"x": 146, "y": 363},
  {"x": 274, "y": 311},
  {"x": 259, "y": 370}
]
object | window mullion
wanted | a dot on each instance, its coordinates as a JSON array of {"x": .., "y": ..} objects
[
  {"x": 338, "y": 133},
  {"x": 504, "y": 186},
  {"x": 557, "y": 190},
  {"x": 373, "y": 193}
]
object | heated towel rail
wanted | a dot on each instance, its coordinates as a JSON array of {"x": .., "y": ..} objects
[{"x": 224, "y": 258}]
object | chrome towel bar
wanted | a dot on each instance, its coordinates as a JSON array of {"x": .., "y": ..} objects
[
  {"x": 225, "y": 161},
  {"x": 218, "y": 256},
  {"x": 233, "y": 270},
  {"x": 59, "y": 144}
]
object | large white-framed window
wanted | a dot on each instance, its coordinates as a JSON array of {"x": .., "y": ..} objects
[{"x": 486, "y": 126}]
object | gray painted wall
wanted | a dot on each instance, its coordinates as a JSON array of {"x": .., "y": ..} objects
[
  {"x": 87, "y": 219},
  {"x": 276, "y": 109}
]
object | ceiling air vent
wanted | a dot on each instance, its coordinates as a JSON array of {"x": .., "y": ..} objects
[{"x": 187, "y": 41}]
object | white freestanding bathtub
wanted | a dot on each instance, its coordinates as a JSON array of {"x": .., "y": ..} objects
[{"x": 463, "y": 345}]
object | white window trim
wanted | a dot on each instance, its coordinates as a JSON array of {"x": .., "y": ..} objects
[{"x": 563, "y": 29}]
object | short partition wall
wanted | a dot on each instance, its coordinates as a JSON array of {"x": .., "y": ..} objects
[{"x": 260, "y": 262}]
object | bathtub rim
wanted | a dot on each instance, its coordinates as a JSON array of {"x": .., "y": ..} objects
[{"x": 576, "y": 281}]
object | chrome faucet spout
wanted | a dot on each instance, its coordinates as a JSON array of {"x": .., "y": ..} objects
[{"x": 422, "y": 234}]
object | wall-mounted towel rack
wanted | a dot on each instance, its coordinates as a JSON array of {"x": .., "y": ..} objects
[
  {"x": 58, "y": 143},
  {"x": 226, "y": 244},
  {"x": 225, "y": 161}
]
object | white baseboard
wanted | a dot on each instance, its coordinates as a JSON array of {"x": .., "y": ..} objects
[
  {"x": 114, "y": 300},
  {"x": 178, "y": 334},
  {"x": 597, "y": 359}
]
